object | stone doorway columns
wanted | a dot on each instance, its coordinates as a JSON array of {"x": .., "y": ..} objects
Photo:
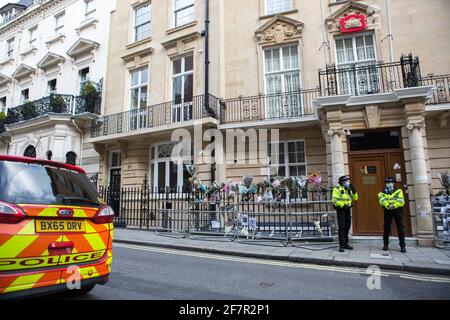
[
  {"x": 420, "y": 181},
  {"x": 403, "y": 108}
]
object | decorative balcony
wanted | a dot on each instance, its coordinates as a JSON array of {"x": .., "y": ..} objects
[
  {"x": 295, "y": 104},
  {"x": 158, "y": 115},
  {"x": 55, "y": 103},
  {"x": 442, "y": 83},
  {"x": 370, "y": 78}
]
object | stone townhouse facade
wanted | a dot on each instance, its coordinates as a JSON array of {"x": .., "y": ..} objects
[
  {"x": 370, "y": 111},
  {"x": 49, "y": 51}
]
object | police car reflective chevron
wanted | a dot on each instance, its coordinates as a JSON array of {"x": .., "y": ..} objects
[{"x": 40, "y": 238}]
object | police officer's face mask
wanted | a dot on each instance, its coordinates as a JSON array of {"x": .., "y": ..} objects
[
  {"x": 346, "y": 184},
  {"x": 390, "y": 186}
]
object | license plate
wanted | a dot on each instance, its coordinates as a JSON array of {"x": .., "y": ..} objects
[{"x": 60, "y": 226}]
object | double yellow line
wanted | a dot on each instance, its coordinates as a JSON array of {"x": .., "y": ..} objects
[{"x": 286, "y": 264}]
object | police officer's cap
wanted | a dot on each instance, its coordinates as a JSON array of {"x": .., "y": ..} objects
[
  {"x": 389, "y": 180},
  {"x": 344, "y": 178}
]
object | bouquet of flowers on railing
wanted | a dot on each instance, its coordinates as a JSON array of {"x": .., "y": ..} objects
[
  {"x": 276, "y": 187},
  {"x": 315, "y": 181},
  {"x": 200, "y": 189},
  {"x": 213, "y": 193},
  {"x": 247, "y": 188},
  {"x": 444, "y": 178}
]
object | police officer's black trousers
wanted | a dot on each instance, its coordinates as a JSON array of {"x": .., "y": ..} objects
[
  {"x": 396, "y": 215},
  {"x": 344, "y": 219}
]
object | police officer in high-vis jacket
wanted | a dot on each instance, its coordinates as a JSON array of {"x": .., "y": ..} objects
[
  {"x": 343, "y": 196},
  {"x": 392, "y": 201}
]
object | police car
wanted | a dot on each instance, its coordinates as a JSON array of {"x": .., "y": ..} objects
[{"x": 55, "y": 231}]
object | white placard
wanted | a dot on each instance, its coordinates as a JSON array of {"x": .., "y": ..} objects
[
  {"x": 252, "y": 223},
  {"x": 244, "y": 220},
  {"x": 215, "y": 224}
]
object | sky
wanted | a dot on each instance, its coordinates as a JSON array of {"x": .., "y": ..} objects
[{"x": 3, "y": 2}]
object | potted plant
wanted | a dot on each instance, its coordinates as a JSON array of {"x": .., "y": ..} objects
[
  {"x": 90, "y": 95},
  {"x": 2, "y": 121},
  {"x": 28, "y": 111},
  {"x": 58, "y": 104},
  {"x": 444, "y": 178},
  {"x": 12, "y": 116}
]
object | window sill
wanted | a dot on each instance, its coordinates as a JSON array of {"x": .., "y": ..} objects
[
  {"x": 332, "y": 4},
  {"x": 5, "y": 61},
  {"x": 58, "y": 37},
  {"x": 138, "y": 43},
  {"x": 182, "y": 27},
  {"x": 267, "y": 16},
  {"x": 31, "y": 50},
  {"x": 90, "y": 22}
]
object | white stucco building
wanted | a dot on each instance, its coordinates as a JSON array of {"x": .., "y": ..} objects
[{"x": 49, "y": 50}]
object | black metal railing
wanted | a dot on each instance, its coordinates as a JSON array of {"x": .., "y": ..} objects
[
  {"x": 271, "y": 106},
  {"x": 298, "y": 215},
  {"x": 92, "y": 104},
  {"x": 442, "y": 84},
  {"x": 370, "y": 78},
  {"x": 55, "y": 103},
  {"x": 156, "y": 115}
]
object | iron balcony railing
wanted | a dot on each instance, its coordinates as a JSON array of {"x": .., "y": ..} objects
[
  {"x": 156, "y": 115},
  {"x": 293, "y": 104},
  {"x": 55, "y": 103},
  {"x": 442, "y": 84},
  {"x": 370, "y": 78}
]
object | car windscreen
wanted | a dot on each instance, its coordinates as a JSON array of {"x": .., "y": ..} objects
[{"x": 23, "y": 183}]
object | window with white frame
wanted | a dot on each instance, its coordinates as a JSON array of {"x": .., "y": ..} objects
[
  {"x": 52, "y": 86},
  {"x": 138, "y": 88},
  {"x": 282, "y": 75},
  {"x": 83, "y": 76},
  {"x": 183, "y": 12},
  {"x": 357, "y": 51},
  {"x": 142, "y": 16},
  {"x": 59, "y": 21},
  {"x": 90, "y": 8},
  {"x": 10, "y": 48},
  {"x": 275, "y": 6},
  {"x": 24, "y": 95},
  {"x": 167, "y": 172},
  {"x": 32, "y": 36},
  {"x": 287, "y": 158},
  {"x": 182, "y": 88}
]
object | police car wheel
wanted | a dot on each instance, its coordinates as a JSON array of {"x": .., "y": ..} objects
[{"x": 83, "y": 291}]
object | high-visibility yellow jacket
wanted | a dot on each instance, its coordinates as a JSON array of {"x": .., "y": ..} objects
[
  {"x": 342, "y": 196},
  {"x": 396, "y": 199}
]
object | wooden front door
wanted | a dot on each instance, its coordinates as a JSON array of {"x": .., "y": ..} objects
[{"x": 368, "y": 172}]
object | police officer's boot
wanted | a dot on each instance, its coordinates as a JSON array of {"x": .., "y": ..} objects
[
  {"x": 386, "y": 247},
  {"x": 403, "y": 249},
  {"x": 341, "y": 249},
  {"x": 349, "y": 247}
]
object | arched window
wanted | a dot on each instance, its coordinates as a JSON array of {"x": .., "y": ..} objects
[
  {"x": 30, "y": 152},
  {"x": 49, "y": 155},
  {"x": 71, "y": 158}
]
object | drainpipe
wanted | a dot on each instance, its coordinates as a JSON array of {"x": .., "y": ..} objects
[
  {"x": 206, "y": 34},
  {"x": 324, "y": 45},
  {"x": 82, "y": 141},
  {"x": 391, "y": 48}
]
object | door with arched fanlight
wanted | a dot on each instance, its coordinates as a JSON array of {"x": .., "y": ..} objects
[
  {"x": 71, "y": 158},
  {"x": 30, "y": 152}
]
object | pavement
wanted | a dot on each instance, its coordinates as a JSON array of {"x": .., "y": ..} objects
[
  {"x": 425, "y": 260},
  {"x": 149, "y": 273}
]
